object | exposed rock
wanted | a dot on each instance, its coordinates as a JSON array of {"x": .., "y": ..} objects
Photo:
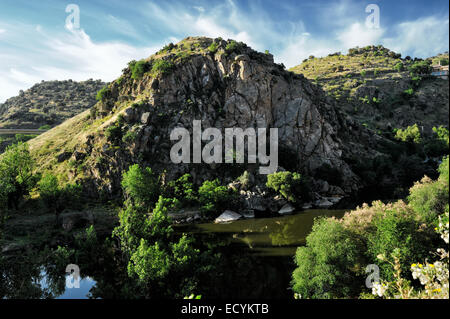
[
  {"x": 287, "y": 209},
  {"x": 248, "y": 213},
  {"x": 228, "y": 216},
  {"x": 323, "y": 203},
  {"x": 307, "y": 206}
]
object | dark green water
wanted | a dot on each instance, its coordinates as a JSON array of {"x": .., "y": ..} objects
[
  {"x": 276, "y": 236},
  {"x": 254, "y": 259}
]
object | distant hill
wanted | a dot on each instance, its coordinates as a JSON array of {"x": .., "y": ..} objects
[
  {"x": 46, "y": 105},
  {"x": 375, "y": 86}
]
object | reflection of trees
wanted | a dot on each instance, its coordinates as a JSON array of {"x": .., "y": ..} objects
[
  {"x": 24, "y": 277},
  {"x": 284, "y": 233}
]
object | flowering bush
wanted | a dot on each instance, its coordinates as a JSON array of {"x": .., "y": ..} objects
[{"x": 433, "y": 276}]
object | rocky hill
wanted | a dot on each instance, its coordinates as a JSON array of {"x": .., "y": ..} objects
[
  {"x": 375, "y": 86},
  {"x": 225, "y": 84},
  {"x": 48, "y": 103}
]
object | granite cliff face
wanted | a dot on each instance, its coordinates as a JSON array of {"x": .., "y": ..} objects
[{"x": 225, "y": 85}]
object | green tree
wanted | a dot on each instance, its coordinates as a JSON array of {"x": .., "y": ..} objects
[
  {"x": 329, "y": 265},
  {"x": 213, "y": 196},
  {"x": 16, "y": 175},
  {"x": 140, "y": 185},
  {"x": 157, "y": 257},
  {"x": 285, "y": 183}
]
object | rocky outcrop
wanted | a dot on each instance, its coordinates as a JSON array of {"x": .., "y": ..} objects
[{"x": 231, "y": 86}]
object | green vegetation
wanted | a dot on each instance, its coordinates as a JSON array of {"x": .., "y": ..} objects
[
  {"x": 45, "y": 127},
  {"x": 421, "y": 67},
  {"x": 102, "y": 94},
  {"x": 411, "y": 134},
  {"x": 16, "y": 176},
  {"x": 213, "y": 196},
  {"x": 140, "y": 186},
  {"x": 139, "y": 68},
  {"x": 332, "y": 264},
  {"x": 162, "y": 67},
  {"x": 286, "y": 184},
  {"x": 56, "y": 198},
  {"x": 213, "y": 47}
]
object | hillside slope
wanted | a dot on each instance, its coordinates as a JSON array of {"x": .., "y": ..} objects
[
  {"x": 46, "y": 105},
  {"x": 374, "y": 86}
]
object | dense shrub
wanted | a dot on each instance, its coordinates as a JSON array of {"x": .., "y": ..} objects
[
  {"x": 421, "y": 67},
  {"x": 337, "y": 250},
  {"x": 397, "y": 229},
  {"x": 57, "y": 198},
  {"x": 161, "y": 261},
  {"x": 213, "y": 196},
  {"x": 429, "y": 198},
  {"x": 183, "y": 190},
  {"x": 411, "y": 134},
  {"x": 102, "y": 94},
  {"x": 114, "y": 133},
  {"x": 329, "y": 265},
  {"x": 161, "y": 67},
  {"x": 139, "y": 68},
  {"x": 141, "y": 186},
  {"x": 213, "y": 47},
  {"x": 399, "y": 67},
  {"x": 286, "y": 184},
  {"x": 16, "y": 175}
]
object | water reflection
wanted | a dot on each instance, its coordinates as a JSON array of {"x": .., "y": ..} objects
[{"x": 243, "y": 259}]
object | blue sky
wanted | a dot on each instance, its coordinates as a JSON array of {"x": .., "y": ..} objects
[{"x": 36, "y": 44}]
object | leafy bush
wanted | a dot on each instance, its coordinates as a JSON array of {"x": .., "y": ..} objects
[
  {"x": 114, "y": 133},
  {"x": 399, "y": 67},
  {"x": 397, "y": 229},
  {"x": 155, "y": 256},
  {"x": 129, "y": 137},
  {"x": 429, "y": 198},
  {"x": 286, "y": 184},
  {"x": 138, "y": 69},
  {"x": 409, "y": 92},
  {"x": 443, "y": 134},
  {"x": 102, "y": 94},
  {"x": 161, "y": 67},
  {"x": 421, "y": 67},
  {"x": 410, "y": 135},
  {"x": 16, "y": 175},
  {"x": 328, "y": 266},
  {"x": 233, "y": 46},
  {"x": 213, "y": 47},
  {"x": 140, "y": 185},
  {"x": 183, "y": 190},
  {"x": 213, "y": 196}
]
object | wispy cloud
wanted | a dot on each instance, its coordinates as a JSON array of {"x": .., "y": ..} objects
[{"x": 35, "y": 51}]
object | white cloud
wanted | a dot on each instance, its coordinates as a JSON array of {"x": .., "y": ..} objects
[
  {"x": 359, "y": 35},
  {"x": 70, "y": 55},
  {"x": 2, "y": 31},
  {"x": 422, "y": 37}
]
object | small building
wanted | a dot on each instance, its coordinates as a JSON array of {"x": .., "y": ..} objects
[{"x": 440, "y": 71}]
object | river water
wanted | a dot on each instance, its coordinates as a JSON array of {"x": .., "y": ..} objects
[{"x": 256, "y": 261}]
